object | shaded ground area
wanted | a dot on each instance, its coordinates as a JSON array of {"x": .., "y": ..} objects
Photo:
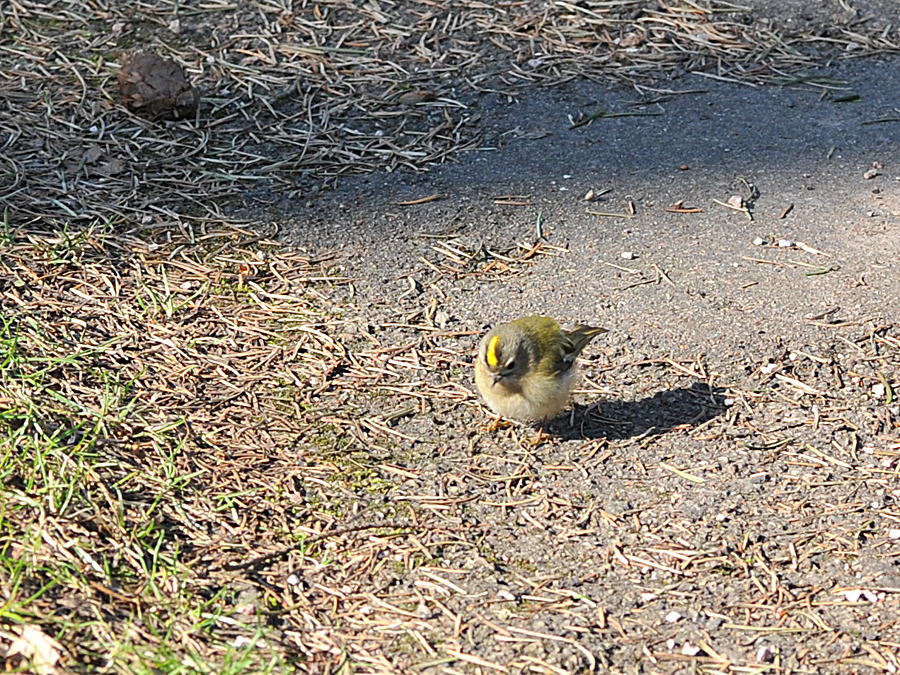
[{"x": 240, "y": 433}]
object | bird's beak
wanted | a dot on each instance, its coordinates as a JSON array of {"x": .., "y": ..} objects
[{"x": 496, "y": 378}]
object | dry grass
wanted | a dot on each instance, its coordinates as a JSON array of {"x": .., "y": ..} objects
[
  {"x": 210, "y": 462},
  {"x": 296, "y": 94}
]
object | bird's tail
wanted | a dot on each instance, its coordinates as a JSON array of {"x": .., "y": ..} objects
[{"x": 580, "y": 336}]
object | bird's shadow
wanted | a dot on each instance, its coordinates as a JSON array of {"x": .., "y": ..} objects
[{"x": 657, "y": 414}]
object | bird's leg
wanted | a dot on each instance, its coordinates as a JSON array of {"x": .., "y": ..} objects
[
  {"x": 495, "y": 424},
  {"x": 536, "y": 441}
]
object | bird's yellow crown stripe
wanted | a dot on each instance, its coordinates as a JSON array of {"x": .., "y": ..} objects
[{"x": 491, "y": 355}]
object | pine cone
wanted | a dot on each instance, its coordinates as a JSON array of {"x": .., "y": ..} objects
[{"x": 156, "y": 88}]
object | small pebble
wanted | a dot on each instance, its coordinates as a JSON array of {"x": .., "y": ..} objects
[
  {"x": 858, "y": 594},
  {"x": 713, "y": 623},
  {"x": 785, "y": 243},
  {"x": 673, "y": 617},
  {"x": 690, "y": 650},
  {"x": 628, "y": 255},
  {"x": 765, "y": 654},
  {"x": 759, "y": 241}
]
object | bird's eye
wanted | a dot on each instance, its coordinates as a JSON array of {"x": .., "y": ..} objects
[{"x": 510, "y": 364}]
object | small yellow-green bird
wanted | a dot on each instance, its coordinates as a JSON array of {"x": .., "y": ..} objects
[{"x": 525, "y": 369}]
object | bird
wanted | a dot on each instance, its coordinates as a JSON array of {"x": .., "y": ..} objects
[{"x": 525, "y": 369}]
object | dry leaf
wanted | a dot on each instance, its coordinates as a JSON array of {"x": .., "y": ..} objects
[
  {"x": 92, "y": 155},
  {"x": 113, "y": 167},
  {"x": 39, "y": 649},
  {"x": 633, "y": 39},
  {"x": 413, "y": 97}
]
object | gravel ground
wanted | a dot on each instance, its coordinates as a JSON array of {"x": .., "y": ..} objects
[{"x": 724, "y": 493}]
